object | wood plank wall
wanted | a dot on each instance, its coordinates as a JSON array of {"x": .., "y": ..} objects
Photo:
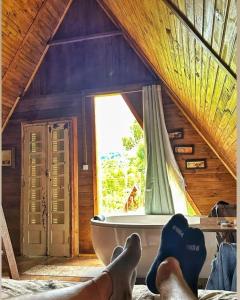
[
  {"x": 50, "y": 108},
  {"x": 206, "y": 186}
]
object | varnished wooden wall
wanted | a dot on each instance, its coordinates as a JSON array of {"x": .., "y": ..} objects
[
  {"x": 206, "y": 186},
  {"x": 67, "y": 72}
]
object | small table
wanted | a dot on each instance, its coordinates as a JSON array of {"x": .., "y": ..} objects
[{"x": 212, "y": 224}]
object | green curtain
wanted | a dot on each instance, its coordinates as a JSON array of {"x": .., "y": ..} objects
[{"x": 158, "y": 195}]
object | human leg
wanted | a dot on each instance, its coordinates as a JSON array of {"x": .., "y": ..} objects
[
  {"x": 185, "y": 244},
  {"x": 171, "y": 244},
  {"x": 115, "y": 283}
]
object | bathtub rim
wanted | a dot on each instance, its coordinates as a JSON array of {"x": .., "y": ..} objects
[
  {"x": 123, "y": 225},
  {"x": 118, "y": 224},
  {"x": 129, "y": 225}
]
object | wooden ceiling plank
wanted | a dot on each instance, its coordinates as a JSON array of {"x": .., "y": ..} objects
[
  {"x": 182, "y": 54},
  {"x": 212, "y": 104},
  {"x": 221, "y": 14},
  {"x": 198, "y": 15},
  {"x": 189, "y": 7},
  {"x": 165, "y": 71},
  {"x": 233, "y": 63},
  {"x": 10, "y": 91},
  {"x": 227, "y": 93},
  {"x": 21, "y": 17},
  {"x": 230, "y": 33},
  {"x": 212, "y": 82},
  {"x": 169, "y": 44},
  {"x": 198, "y": 72},
  {"x": 170, "y": 38},
  {"x": 175, "y": 40},
  {"x": 12, "y": 25},
  {"x": 227, "y": 117},
  {"x": 233, "y": 145},
  {"x": 57, "y": 7},
  {"x": 84, "y": 38},
  {"x": 187, "y": 68},
  {"x": 231, "y": 136},
  {"x": 229, "y": 133},
  {"x": 51, "y": 10},
  {"x": 167, "y": 39},
  {"x": 199, "y": 38},
  {"x": 26, "y": 37},
  {"x": 6, "y": 102},
  {"x": 19, "y": 13},
  {"x": 231, "y": 107},
  {"x": 225, "y": 96},
  {"x": 30, "y": 8},
  {"x": 192, "y": 63},
  {"x": 208, "y": 20}
]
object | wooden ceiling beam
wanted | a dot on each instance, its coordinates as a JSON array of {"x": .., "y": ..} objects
[
  {"x": 84, "y": 38},
  {"x": 199, "y": 37}
]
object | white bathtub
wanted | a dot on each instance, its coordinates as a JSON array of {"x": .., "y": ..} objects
[{"x": 106, "y": 235}]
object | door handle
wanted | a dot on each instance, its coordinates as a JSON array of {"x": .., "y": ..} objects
[{"x": 44, "y": 213}]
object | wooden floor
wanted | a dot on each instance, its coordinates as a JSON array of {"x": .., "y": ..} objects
[{"x": 25, "y": 263}]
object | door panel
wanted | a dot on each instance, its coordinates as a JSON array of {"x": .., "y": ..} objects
[
  {"x": 46, "y": 190},
  {"x": 34, "y": 192},
  {"x": 59, "y": 242}
]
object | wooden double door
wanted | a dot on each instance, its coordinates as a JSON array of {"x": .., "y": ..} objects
[{"x": 46, "y": 189}]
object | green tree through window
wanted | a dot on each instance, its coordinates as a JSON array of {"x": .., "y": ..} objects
[{"x": 123, "y": 177}]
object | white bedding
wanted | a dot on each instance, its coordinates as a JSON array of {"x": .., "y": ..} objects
[{"x": 13, "y": 288}]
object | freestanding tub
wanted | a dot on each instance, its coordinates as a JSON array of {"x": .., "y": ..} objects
[{"x": 106, "y": 235}]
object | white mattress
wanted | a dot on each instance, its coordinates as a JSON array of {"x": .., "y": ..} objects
[{"x": 13, "y": 288}]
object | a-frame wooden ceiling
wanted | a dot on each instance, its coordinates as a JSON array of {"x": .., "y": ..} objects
[
  {"x": 27, "y": 26},
  {"x": 190, "y": 44}
]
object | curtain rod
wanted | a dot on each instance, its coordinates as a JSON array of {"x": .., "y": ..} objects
[{"x": 110, "y": 93}]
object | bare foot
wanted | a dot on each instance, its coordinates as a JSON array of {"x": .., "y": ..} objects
[{"x": 170, "y": 282}]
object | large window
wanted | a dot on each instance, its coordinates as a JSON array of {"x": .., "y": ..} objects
[{"x": 120, "y": 157}]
